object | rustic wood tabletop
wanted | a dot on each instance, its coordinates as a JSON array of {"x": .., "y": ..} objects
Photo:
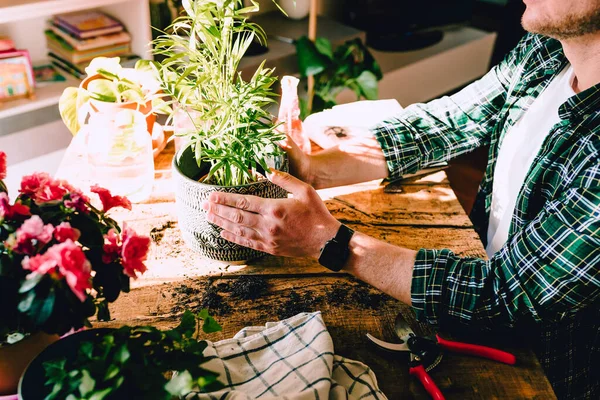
[{"x": 420, "y": 212}]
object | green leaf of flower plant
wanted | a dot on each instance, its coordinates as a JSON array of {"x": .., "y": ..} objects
[
  {"x": 67, "y": 107},
  {"x": 187, "y": 326},
  {"x": 103, "y": 90},
  {"x": 368, "y": 85},
  {"x": 210, "y": 325},
  {"x": 310, "y": 60},
  {"x": 180, "y": 384},
  {"x": 324, "y": 46},
  {"x": 87, "y": 383},
  {"x": 31, "y": 282}
]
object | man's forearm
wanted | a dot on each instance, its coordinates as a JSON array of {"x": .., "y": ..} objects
[
  {"x": 385, "y": 266},
  {"x": 359, "y": 160}
]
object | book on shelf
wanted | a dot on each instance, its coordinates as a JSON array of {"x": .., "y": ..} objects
[
  {"x": 90, "y": 43},
  {"x": 61, "y": 48},
  {"x": 87, "y": 24},
  {"x": 78, "y": 71}
]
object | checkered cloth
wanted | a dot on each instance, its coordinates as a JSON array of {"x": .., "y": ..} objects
[{"x": 292, "y": 359}]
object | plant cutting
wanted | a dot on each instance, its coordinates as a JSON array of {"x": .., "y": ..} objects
[
  {"x": 233, "y": 139},
  {"x": 110, "y": 88},
  {"x": 62, "y": 261},
  {"x": 107, "y": 363},
  {"x": 349, "y": 66}
]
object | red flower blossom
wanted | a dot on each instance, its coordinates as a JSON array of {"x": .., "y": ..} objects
[
  {"x": 32, "y": 235},
  {"x": 2, "y": 165},
  {"x": 68, "y": 261},
  {"x": 42, "y": 188},
  {"x": 134, "y": 252},
  {"x": 16, "y": 211},
  {"x": 109, "y": 201},
  {"x": 65, "y": 231},
  {"x": 112, "y": 247}
]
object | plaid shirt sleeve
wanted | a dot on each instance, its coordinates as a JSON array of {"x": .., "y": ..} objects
[
  {"x": 547, "y": 270},
  {"x": 447, "y": 127}
]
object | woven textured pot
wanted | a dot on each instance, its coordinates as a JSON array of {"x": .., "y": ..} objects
[{"x": 197, "y": 232}]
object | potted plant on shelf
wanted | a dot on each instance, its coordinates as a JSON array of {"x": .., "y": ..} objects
[
  {"x": 233, "y": 139},
  {"x": 62, "y": 261},
  {"x": 110, "y": 88}
]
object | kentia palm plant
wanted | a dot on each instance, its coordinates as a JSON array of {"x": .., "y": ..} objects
[{"x": 232, "y": 138}]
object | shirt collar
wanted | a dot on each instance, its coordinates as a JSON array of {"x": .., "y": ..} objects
[{"x": 552, "y": 60}]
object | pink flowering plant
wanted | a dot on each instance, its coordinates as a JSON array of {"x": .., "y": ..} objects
[{"x": 62, "y": 260}]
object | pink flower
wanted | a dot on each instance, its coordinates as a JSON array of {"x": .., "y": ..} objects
[
  {"x": 32, "y": 235},
  {"x": 109, "y": 201},
  {"x": 112, "y": 247},
  {"x": 134, "y": 252},
  {"x": 78, "y": 202},
  {"x": 64, "y": 232},
  {"x": 42, "y": 188},
  {"x": 2, "y": 165},
  {"x": 16, "y": 211},
  {"x": 67, "y": 260}
]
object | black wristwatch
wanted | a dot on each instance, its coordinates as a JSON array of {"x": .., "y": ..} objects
[{"x": 336, "y": 251}]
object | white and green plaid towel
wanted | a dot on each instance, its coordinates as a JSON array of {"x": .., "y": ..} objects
[{"x": 293, "y": 360}]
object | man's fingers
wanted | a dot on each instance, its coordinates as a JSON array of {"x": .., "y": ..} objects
[
  {"x": 232, "y": 214},
  {"x": 242, "y": 241},
  {"x": 243, "y": 202},
  {"x": 237, "y": 230},
  {"x": 293, "y": 185}
]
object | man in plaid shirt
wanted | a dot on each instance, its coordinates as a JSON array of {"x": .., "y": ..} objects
[{"x": 544, "y": 268}]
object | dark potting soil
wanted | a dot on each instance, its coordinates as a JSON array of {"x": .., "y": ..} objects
[
  {"x": 297, "y": 303},
  {"x": 213, "y": 301},
  {"x": 157, "y": 233},
  {"x": 249, "y": 287}
]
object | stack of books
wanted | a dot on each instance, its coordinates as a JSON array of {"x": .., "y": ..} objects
[{"x": 75, "y": 39}]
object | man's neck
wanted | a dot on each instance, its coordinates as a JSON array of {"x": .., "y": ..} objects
[{"x": 584, "y": 55}]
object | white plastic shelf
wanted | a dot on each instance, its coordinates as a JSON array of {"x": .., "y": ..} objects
[
  {"x": 19, "y": 10},
  {"x": 45, "y": 96}
]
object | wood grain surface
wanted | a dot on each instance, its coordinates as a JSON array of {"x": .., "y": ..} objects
[{"x": 420, "y": 213}]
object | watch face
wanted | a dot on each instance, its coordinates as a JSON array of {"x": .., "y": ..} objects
[{"x": 333, "y": 256}]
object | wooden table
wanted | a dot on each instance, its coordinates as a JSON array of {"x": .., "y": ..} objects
[{"x": 422, "y": 212}]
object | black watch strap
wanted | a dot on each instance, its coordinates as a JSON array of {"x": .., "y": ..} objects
[{"x": 336, "y": 251}]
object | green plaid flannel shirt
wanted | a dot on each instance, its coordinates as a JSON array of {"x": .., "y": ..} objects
[{"x": 548, "y": 272}]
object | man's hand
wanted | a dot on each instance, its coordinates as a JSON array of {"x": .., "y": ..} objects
[
  {"x": 300, "y": 162},
  {"x": 296, "y": 227}
]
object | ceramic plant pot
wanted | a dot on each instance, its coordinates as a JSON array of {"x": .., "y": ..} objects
[
  {"x": 14, "y": 359},
  {"x": 295, "y": 9},
  {"x": 197, "y": 232},
  {"x": 111, "y": 108}
]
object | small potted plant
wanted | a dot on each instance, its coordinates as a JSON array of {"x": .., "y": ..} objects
[
  {"x": 105, "y": 363},
  {"x": 110, "y": 88},
  {"x": 62, "y": 261},
  {"x": 234, "y": 139}
]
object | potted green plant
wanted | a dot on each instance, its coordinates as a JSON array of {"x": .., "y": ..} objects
[
  {"x": 62, "y": 261},
  {"x": 110, "y": 88},
  {"x": 233, "y": 140},
  {"x": 348, "y": 66},
  {"x": 140, "y": 362}
]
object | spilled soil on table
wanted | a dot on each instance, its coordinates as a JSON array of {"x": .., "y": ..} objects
[{"x": 220, "y": 295}]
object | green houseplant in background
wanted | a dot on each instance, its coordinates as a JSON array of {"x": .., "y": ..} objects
[
  {"x": 232, "y": 139},
  {"x": 109, "y": 88},
  {"x": 349, "y": 66}
]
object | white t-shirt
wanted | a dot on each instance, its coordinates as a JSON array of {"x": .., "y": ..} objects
[{"x": 518, "y": 149}]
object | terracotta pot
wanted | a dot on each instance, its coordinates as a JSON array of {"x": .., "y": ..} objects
[
  {"x": 16, "y": 357},
  {"x": 110, "y": 108}
]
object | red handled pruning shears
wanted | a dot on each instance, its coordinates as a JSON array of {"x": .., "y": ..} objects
[{"x": 425, "y": 353}]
